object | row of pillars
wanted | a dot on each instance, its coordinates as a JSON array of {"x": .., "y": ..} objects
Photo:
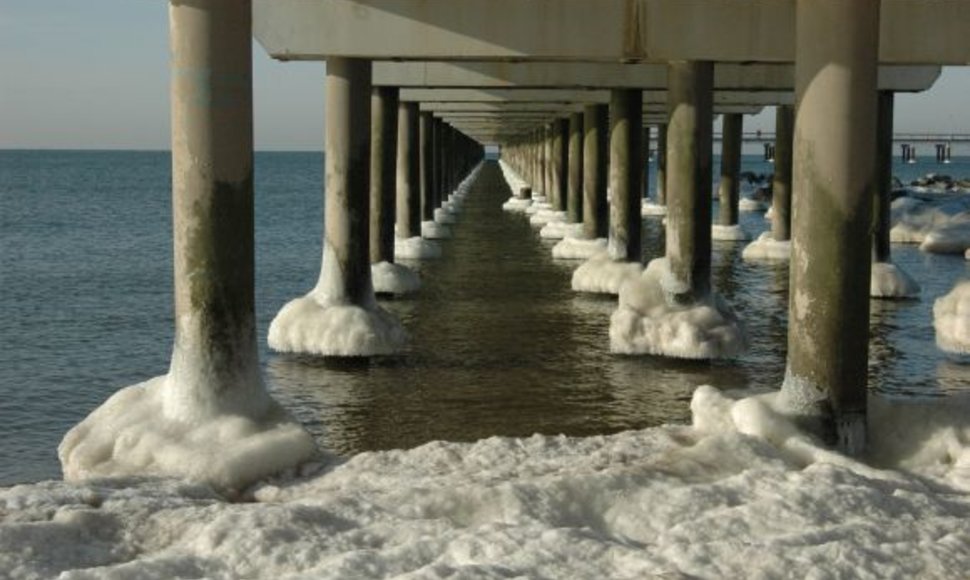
[
  {"x": 907, "y": 152},
  {"x": 841, "y": 180}
]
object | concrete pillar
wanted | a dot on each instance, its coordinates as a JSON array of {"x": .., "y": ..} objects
[
  {"x": 560, "y": 161},
  {"x": 781, "y": 182},
  {"x": 574, "y": 202},
  {"x": 346, "y": 271},
  {"x": 426, "y": 139},
  {"x": 595, "y": 207},
  {"x": 626, "y": 117},
  {"x": 662, "y": 164},
  {"x": 690, "y": 102},
  {"x": 882, "y": 197},
  {"x": 550, "y": 185},
  {"x": 727, "y": 189},
  {"x": 383, "y": 158},
  {"x": 437, "y": 161},
  {"x": 408, "y": 183},
  {"x": 645, "y": 162},
  {"x": 214, "y": 360},
  {"x": 834, "y": 158}
]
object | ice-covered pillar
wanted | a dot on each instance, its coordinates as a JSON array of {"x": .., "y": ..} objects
[
  {"x": 383, "y": 156},
  {"x": 210, "y": 418},
  {"x": 626, "y": 116},
  {"x": 727, "y": 189},
  {"x": 881, "y": 251},
  {"x": 437, "y": 162},
  {"x": 662, "y": 164},
  {"x": 595, "y": 206},
  {"x": 408, "y": 183},
  {"x": 560, "y": 163},
  {"x": 574, "y": 202},
  {"x": 690, "y": 103},
  {"x": 550, "y": 173},
  {"x": 781, "y": 182},
  {"x": 645, "y": 161},
  {"x": 426, "y": 138},
  {"x": 834, "y": 157}
]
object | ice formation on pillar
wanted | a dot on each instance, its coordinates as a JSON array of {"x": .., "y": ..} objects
[
  {"x": 770, "y": 214},
  {"x": 445, "y": 216},
  {"x": 649, "y": 321},
  {"x": 516, "y": 204},
  {"x": 951, "y": 318},
  {"x": 416, "y": 248},
  {"x": 889, "y": 281},
  {"x": 326, "y": 323},
  {"x": 578, "y": 248},
  {"x": 748, "y": 204},
  {"x": 557, "y": 230},
  {"x": 601, "y": 275},
  {"x": 767, "y": 249},
  {"x": 168, "y": 427},
  {"x": 432, "y": 230},
  {"x": 544, "y": 216},
  {"x": 732, "y": 233},
  {"x": 391, "y": 278},
  {"x": 649, "y": 208}
]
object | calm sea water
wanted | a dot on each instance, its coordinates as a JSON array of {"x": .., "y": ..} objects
[{"x": 500, "y": 346}]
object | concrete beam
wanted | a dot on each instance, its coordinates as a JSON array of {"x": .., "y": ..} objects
[
  {"x": 467, "y": 99},
  {"x": 588, "y": 30}
]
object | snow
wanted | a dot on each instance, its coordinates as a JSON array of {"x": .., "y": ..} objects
[
  {"x": 951, "y": 317},
  {"x": 602, "y": 275},
  {"x": 748, "y": 204},
  {"x": 141, "y": 431},
  {"x": 889, "y": 281},
  {"x": 557, "y": 230},
  {"x": 445, "y": 216},
  {"x": 434, "y": 231},
  {"x": 543, "y": 216},
  {"x": 767, "y": 249},
  {"x": 390, "y": 278},
  {"x": 516, "y": 205},
  {"x": 939, "y": 223},
  {"x": 313, "y": 326},
  {"x": 416, "y": 248},
  {"x": 740, "y": 493},
  {"x": 578, "y": 248},
  {"x": 770, "y": 214},
  {"x": 732, "y": 233},
  {"x": 648, "y": 321},
  {"x": 649, "y": 208}
]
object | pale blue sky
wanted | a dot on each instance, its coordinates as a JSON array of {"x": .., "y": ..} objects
[{"x": 94, "y": 74}]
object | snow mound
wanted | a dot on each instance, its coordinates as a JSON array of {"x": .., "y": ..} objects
[
  {"x": 770, "y": 214},
  {"x": 732, "y": 233},
  {"x": 748, "y": 204},
  {"x": 578, "y": 249},
  {"x": 445, "y": 216},
  {"x": 767, "y": 249},
  {"x": 601, "y": 275},
  {"x": 890, "y": 281},
  {"x": 647, "y": 321},
  {"x": 390, "y": 278},
  {"x": 915, "y": 219},
  {"x": 557, "y": 230},
  {"x": 649, "y": 208},
  {"x": 538, "y": 206},
  {"x": 951, "y": 318},
  {"x": 434, "y": 231},
  {"x": 740, "y": 493},
  {"x": 416, "y": 248},
  {"x": 516, "y": 205},
  {"x": 952, "y": 238},
  {"x": 308, "y": 325},
  {"x": 544, "y": 216},
  {"x": 136, "y": 432}
]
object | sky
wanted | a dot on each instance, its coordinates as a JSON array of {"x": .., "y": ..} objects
[{"x": 93, "y": 74}]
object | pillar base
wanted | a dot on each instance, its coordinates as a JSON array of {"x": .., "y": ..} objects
[
  {"x": 445, "y": 216},
  {"x": 558, "y": 230},
  {"x": 767, "y": 249},
  {"x": 416, "y": 248},
  {"x": 648, "y": 209},
  {"x": 517, "y": 205},
  {"x": 601, "y": 275},
  {"x": 951, "y": 318},
  {"x": 307, "y": 326},
  {"x": 578, "y": 248},
  {"x": 889, "y": 281},
  {"x": 648, "y": 321},
  {"x": 545, "y": 216},
  {"x": 390, "y": 278},
  {"x": 732, "y": 233},
  {"x": 132, "y": 435},
  {"x": 432, "y": 230}
]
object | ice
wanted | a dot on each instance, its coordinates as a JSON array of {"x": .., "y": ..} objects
[
  {"x": 952, "y": 238},
  {"x": 445, "y": 216},
  {"x": 648, "y": 321},
  {"x": 732, "y": 233},
  {"x": 889, "y": 281},
  {"x": 557, "y": 230},
  {"x": 602, "y": 275},
  {"x": 951, "y": 317},
  {"x": 940, "y": 223},
  {"x": 432, "y": 230},
  {"x": 141, "y": 431},
  {"x": 538, "y": 206},
  {"x": 649, "y": 208},
  {"x": 767, "y": 249},
  {"x": 740, "y": 493},
  {"x": 390, "y": 278},
  {"x": 543, "y": 216},
  {"x": 416, "y": 248},
  {"x": 309, "y": 325},
  {"x": 748, "y": 204},
  {"x": 770, "y": 214},
  {"x": 516, "y": 205},
  {"x": 578, "y": 248}
]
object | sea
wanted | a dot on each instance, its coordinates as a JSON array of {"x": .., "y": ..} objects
[{"x": 500, "y": 345}]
